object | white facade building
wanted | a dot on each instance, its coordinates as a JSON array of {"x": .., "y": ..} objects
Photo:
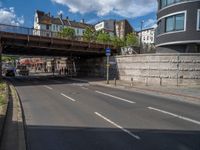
[
  {"x": 147, "y": 36},
  {"x": 52, "y": 25}
]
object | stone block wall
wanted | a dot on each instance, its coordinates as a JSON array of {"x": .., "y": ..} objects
[{"x": 168, "y": 69}]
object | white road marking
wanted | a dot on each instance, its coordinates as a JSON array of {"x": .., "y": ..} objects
[
  {"x": 48, "y": 87},
  {"x": 118, "y": 126},
  {"x": 119, "y": 98},
  {"x": 68, "y": 97},
  {"x": 175, "y": 115},
  {"x": 84, "y": 88}
]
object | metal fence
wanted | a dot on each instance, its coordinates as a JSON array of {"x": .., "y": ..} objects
[{"x": 35, "y": 32}]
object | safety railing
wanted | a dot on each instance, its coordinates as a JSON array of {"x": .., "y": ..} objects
[{"x": 35, "y": 32}]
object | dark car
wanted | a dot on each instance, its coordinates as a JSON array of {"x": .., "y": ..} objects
[{"x": 10, "y": 72}]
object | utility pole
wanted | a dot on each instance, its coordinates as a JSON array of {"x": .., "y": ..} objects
[{"x": 141, "y": 46}]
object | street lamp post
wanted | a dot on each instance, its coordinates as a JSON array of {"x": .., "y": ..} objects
[{"x": 141, "y": 46}]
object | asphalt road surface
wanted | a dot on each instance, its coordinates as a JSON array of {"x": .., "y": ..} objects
[{"x": 62, "y": 114}]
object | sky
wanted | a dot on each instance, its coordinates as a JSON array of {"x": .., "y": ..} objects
[{"x": 21, "y": 12}]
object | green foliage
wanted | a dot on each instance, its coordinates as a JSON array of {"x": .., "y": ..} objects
[
  {"x": 117, "y": 42},
  {"x": 89, "y": 35},
  {"x": 9, "y": 58},
  {"x": 132, "y": 40},
  {"x": 68, "y": 33},
  {"x": 103, "y": 38},
  {"x": 2, "y": 93}
]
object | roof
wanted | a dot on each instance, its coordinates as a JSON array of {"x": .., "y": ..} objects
[{"x": 44, "y": 18}]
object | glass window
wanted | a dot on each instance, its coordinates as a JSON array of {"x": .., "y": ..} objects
[
  {"x": 179, "y": 22},
  {"x": 163, "y": 3},
  {"x": 169, "y": 2},
  {"x": 175, "y": 23},
  {"x": 170, "y": 24}
]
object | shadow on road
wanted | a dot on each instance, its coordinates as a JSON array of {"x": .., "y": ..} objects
[
  {"x": 79, "y": 138},
  {"x": 44, "y": 80}
]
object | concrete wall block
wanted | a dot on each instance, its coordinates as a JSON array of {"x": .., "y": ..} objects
[
  {"x": 189, "y": 58},
  {"x": 193, "y": 66}
]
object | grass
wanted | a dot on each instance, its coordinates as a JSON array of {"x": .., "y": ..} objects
[{"x": 2, "y": 93}]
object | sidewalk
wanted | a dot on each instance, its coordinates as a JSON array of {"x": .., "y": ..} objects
[
  {"x": 181, "y": 93},
  {"x": 13, "y": 135}
]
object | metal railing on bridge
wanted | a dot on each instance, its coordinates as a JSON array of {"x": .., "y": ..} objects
[
  {"x": 35, "y": 32},
  {"x": 41, "y": 33}
]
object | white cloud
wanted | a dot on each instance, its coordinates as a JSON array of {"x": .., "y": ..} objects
[
  {"x": 60, "y": 12},
  {"x": 150, "y": 23},
  {"x": 8, "y": 16},
  {"x": 125, "y": 8}
]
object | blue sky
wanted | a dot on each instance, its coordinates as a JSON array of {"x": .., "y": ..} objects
[{"x": 21, "y": 12}]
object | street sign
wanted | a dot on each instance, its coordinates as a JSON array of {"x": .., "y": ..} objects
[
  {"x": 107, "y": 54},
  {"x": 108, "y": 51}
]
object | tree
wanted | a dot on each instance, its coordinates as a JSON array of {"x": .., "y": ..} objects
[
  {"x": 68, "y": 33},
  {"x": 132, "y": 40},
  {"x": 89, "y": 35},
  {"x": 118, "y": 42},
  {"x": 103, "y": 37}
]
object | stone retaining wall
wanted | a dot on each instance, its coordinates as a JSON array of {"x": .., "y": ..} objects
[{"x": 166, "y": 69}]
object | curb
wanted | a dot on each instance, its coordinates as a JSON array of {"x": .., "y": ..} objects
[
  {"x": 174, "y": 96},
  {"x": 4, "y": 112},
  {"x": 22, "y": 141}
]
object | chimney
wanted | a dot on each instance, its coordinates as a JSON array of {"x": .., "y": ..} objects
[
  {"x": 82, "y": 21},
  {"x": 67, "y": 17},
  {"x": 49, "y": 14}
]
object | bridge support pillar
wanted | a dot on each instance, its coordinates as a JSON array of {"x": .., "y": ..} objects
[{"x": 1, "y": 49}]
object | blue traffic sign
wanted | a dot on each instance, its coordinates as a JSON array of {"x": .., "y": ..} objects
[{"x": 108, "y": 50}]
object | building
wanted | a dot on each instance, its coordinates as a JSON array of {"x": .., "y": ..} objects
[
  {"x": 107, "y": 26},
  {"x": 178, "y": 26},
  {"x": 113, "y": 27},
  {"x": 147, "y": 36},
  {"x": 51, "y": 25},
  {"x": 122, "y": 28}
]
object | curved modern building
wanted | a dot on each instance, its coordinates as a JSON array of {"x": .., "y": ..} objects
[{"x": 178, "y": 26}]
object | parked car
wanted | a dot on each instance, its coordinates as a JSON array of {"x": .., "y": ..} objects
[
  {"x": 9, "y": 71},
  {"x": 22, "y": 70}
]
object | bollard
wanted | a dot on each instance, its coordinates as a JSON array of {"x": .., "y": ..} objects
[
  {"x": 115, "y": 81},
  {"x": 160, "y": 81},
  {"x": 146, "y": 81},
  {"x": 132, "y": 82}
]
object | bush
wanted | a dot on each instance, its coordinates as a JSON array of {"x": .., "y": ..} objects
[{"x": 2, "y": 93}]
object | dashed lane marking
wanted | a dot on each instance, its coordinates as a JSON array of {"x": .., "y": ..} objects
[
  {"x": 119, "y": 98},
  {"x": 118, "y": 126},
  {"x": 175, "y": 115},
  {"x": 68, "y": 97},
  {"x": 48, "y": 87}
]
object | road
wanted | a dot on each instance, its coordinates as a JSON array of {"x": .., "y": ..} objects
[{"x": 62, "y": 114}]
